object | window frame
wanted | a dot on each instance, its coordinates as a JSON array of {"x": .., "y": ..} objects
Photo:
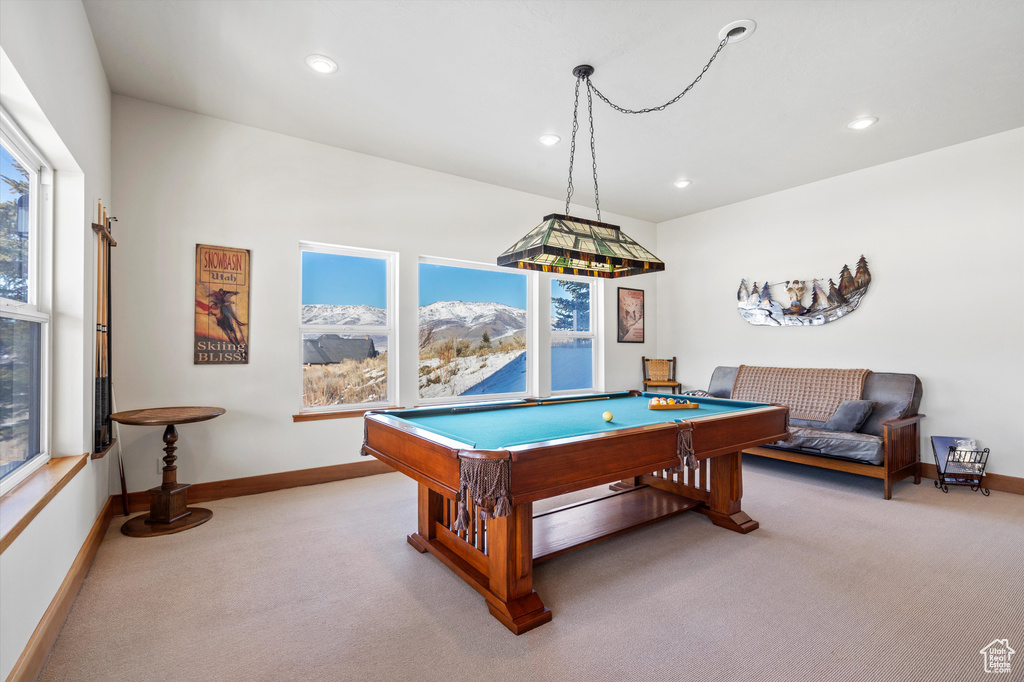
[
  {"x": 36, "y": 309},
  {"x": 593, "y": 335},
  {"x": 390, "y": 329},
  {"x": 531, "y": 355}
]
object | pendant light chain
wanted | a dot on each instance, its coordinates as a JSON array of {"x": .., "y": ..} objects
[
  {"x": 572, "y": 148},
  {"x": 672, "y": 101},
  {"x": 583, "y": 74},
  {"x": 593, "y": 152}
]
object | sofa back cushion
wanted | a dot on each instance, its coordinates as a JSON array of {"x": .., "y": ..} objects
[
  {"x": 722, "y": 380},
  {"x": 894, "y": 396}
]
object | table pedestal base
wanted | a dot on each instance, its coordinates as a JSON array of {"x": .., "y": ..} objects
[
  {"x": 168, "y": 513},
  {"x": 168, "y": 502},
  {"x": 144, "y": 527}
]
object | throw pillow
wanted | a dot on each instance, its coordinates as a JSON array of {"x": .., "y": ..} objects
[
  {"x": 849, "y": 416},
  {"x": 698, "y": 393}
]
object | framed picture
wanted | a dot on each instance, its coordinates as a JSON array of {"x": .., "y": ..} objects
[
  {"x": 631, "y": 316},
  {"x": 222, "y": 306}
]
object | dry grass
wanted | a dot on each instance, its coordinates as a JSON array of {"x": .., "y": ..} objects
[
  {"x": 446, "y": 350},
  {"x": 453, "y": 347},
  {"x": 347, "y": 382}
]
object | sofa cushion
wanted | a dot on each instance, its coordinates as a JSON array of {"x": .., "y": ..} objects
[
  {"x": 862, "y": 447},
  {"x": 895, "y": 396},
  {"x": 722, "y": 380},
  {"x": 849, "y": 416}
]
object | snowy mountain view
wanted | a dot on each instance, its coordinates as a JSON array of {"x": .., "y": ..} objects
[
  {"x": 447, "y": 318},
  {"x": 344, "y": 314},
  {"x": 472, "y": 320}
]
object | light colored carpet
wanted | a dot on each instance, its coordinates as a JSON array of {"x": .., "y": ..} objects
[{"x": 318, "y": 583}]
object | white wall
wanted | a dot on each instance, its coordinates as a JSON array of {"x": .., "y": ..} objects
[
  {"x": 182, "y": 179},
  {"x": 943, "y": 234},
  {"x": 54, "y": 87}
]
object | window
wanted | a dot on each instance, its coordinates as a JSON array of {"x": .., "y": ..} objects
[
  {"x": 572, "y": 335},
  {"x": 24, "y": 307},
  {"x": 347, "y": 327},
  {"x": 472, "y": 331}
]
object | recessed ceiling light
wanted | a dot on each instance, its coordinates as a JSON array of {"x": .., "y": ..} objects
[
  {"x": 321, "y": 64},
  {"x": 549, "y": 139},
  {"x": 681, "y": 183},
  {"x": 737, "y": 30},
  {"x": 862, "y": 123}
]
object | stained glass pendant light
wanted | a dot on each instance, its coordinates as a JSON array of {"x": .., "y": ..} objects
[
  {"x": 576, "y": 246},
  {"x": 565, "y": 244}
]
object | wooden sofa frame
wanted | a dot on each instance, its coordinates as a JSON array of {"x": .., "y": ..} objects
[{"x": 901, "y": 440}]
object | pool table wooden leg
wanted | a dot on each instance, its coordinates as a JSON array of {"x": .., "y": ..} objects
[
  {"x": 504, "y": 575},
  {"x": 430, "y": 508},
  {"x": 726, "y": 491},
  {"x": 512, "y": 599}
]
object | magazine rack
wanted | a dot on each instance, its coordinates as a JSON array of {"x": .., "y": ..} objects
[{"x": 957, "y": 465}]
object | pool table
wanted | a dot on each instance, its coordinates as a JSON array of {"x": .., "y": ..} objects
[{"x": 480, "y": 468}]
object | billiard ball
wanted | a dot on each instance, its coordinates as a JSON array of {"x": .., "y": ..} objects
[{"x": 607, "y": 416}]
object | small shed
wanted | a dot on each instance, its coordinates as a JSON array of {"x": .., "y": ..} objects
[{"x": 329, "y": 349}]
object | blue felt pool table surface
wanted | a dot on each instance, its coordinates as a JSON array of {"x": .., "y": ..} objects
[{"x": 516, "y": 423}]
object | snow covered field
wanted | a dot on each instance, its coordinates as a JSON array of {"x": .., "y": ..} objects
[{"x": 464, "y": 373}]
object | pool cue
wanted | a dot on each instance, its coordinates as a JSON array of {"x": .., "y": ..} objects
[
  {"x": 489, "y": 408},
  {"x": 103, "y": 339},
  {"x": 99, "y": 331},
  {"x": 107, "y": 337},
  {"x": 556, "y": 401},
  {"x": 528, "y": 403},
  {"x": 120, "y": 461}
]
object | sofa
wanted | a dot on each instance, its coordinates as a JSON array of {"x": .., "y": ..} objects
[{"x": 877, "y": 435}]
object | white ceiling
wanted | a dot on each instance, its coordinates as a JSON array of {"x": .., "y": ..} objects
[{"x": 467, "y": 86}]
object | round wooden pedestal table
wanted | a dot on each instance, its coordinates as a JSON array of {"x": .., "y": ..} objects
[{"x": 168, "y": 508}]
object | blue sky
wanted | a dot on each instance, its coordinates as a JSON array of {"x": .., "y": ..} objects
[
  {"x": 448, "y": 283},
  {"x": 7, "y": 169},
  {"x": 557, "y": 291},
  {"x": 330, "y": 278},
  {"x": 334, "y": 279}
]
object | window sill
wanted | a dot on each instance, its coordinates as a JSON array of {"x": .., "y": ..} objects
[
  {"x": 22, "y": 504},
  {"x": 338, "y": 414},
  {"x": 101, "y": 453}
]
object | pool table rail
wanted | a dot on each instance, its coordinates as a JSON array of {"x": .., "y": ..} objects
[
  {"x": 565, "y": 465},
  {"x": 422, "y": 455},
  {"x": 721, "y": 434},
  {"x": 542, "y": 469}
]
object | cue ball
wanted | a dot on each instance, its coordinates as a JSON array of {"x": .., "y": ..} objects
[{"x": 607, "y": 416}]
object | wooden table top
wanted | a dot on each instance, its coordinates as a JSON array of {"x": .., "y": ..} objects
[{"x": 165, "y": 416}]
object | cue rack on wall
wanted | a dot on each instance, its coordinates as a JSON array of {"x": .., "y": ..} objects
[{"x": 103, "y": 436}]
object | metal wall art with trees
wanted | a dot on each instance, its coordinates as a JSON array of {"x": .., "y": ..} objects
[{"x": 757, "y": 305}]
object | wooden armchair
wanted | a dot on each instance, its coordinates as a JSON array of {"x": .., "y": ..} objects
[{"x": 660, "y": 374}]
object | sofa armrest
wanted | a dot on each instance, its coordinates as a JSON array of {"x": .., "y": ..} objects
[
  {"x": 900, "y": 423},
  {"x": 902, "y": 440}
]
